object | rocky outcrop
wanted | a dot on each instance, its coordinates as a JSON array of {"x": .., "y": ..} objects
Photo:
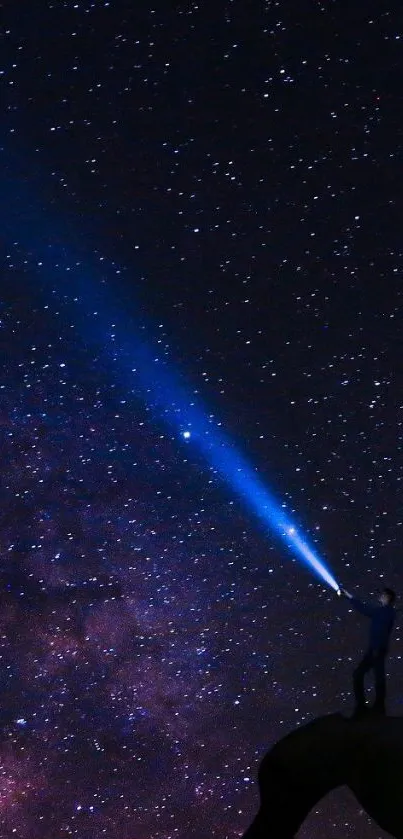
[{"x": 365, "y": 755}]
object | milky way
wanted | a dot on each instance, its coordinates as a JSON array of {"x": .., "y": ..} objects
[{"x": 228, "y": 179}]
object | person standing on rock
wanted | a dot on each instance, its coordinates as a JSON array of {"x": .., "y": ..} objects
[{"x": 382, "y": 616}]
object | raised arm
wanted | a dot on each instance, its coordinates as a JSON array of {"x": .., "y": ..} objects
[{"x": 364, "y": 608}]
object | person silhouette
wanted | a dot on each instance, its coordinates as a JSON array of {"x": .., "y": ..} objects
[{"x": 382, "y": 616}]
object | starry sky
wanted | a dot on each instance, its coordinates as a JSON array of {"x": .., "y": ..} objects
[{"x": 210, "y": 190}]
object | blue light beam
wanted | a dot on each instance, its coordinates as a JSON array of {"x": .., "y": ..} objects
[
  {"x": 178, "y": 409},
  {"x": 58, "y": 258}
]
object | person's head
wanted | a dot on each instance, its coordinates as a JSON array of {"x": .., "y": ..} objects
[{"x": 387, "y": 597}]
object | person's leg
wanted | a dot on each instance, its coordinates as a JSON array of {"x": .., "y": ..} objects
[
  {"x": 358, "y": 679},
  {"x": 380, "y": 684}
]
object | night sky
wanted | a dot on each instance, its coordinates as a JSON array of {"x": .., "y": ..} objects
[{"x": 211, "y": 191}]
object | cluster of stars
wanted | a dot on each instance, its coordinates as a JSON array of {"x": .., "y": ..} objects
[{"x": 232, "y": 180}]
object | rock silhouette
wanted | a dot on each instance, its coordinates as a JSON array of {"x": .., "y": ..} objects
[{"x": 365, "y": 755}]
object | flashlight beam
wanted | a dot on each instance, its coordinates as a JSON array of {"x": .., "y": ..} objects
[{"x": 66, "y": 273}]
